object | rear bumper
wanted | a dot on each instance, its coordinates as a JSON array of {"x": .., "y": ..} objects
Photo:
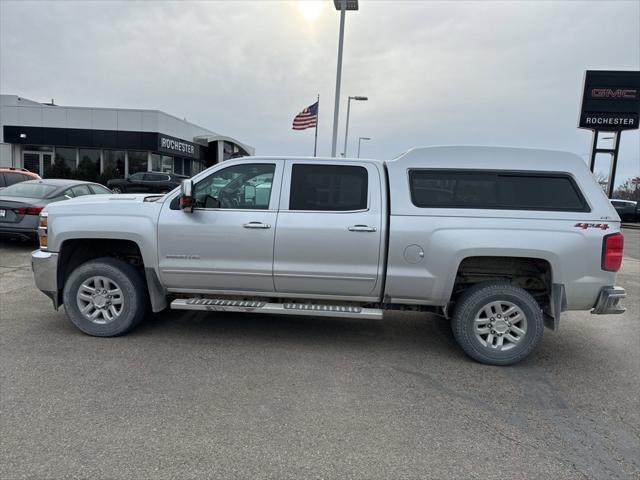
[
  {"x": 45, "y": 273},
  {"x": 11, "y": 231},
  {"x": 609, "y": 301}
]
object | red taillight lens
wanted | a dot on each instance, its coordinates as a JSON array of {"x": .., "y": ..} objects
[
  {"x": 612, "y": 248},
  {"x": 28, "y": 210}
]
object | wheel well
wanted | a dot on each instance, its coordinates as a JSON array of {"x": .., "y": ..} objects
[
  {"x": 74, "y": 253},
  {"x": 532, "y": 274}
]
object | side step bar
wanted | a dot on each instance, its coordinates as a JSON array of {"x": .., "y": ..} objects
[{"x": 320, "y": 310}]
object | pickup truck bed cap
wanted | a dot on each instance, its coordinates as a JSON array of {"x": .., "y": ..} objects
[
  {"x": 489, "y": 158},
  {"x": 473, "y": 157}
]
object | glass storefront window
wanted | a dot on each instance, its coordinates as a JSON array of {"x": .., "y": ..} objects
[
  {"x": 167, "y": 164},
  {"x": 186, "y": 167},
  {"x": 156, "y": 162},
  {"x": 196, "y": 167},
  {"x": 114, "y": 163},
  {"x": 137, "y": 162},
  {"x": 177, "y": 166},
  {"x": 89, "y": 164},
  {"x": 66, "y": 157}
]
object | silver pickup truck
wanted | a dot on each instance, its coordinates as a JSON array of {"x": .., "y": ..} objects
[{"x": 498, "y": 240}]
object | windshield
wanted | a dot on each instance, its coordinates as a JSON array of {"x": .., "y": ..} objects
[{"x": 31, "y": 190}]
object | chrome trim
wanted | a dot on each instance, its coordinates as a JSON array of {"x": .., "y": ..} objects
[
  {"x": 250, "y": 306},
  {"x": 362, "y": 228},
  {"x": 272, "y": 294},
  {"x": 45, "y": 273},
  {"x": 324, "y": 277},
  {"x": 215, "y": 272},
  {"x": 256, "y": 225}
]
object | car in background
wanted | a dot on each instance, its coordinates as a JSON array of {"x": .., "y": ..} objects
[
  {"x": 21, "y": 203},
  {"x": 12, "y": 175},
  {"x": 146, "y": 182},
  {"x": 627, "y": 210}
]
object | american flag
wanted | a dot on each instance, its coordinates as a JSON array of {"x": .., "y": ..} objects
[{"x": 307, "y": 118}]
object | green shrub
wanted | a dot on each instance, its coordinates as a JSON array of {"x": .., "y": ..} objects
[{"x": 58, "y": 170}]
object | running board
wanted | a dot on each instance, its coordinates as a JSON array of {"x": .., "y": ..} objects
[{"x": 252, "y": 306}]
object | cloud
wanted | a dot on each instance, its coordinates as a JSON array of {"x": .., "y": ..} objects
[{"x": 435, "y": 72}]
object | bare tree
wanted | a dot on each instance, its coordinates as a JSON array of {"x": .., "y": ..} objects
[
  {"x": 629, "y": 190},
  {"x": 603, "y": 179}
]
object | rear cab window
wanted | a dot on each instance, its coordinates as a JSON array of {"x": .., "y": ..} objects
[
  {"x": 502, "y": 190},
  {"x": 328, "y": 187}
]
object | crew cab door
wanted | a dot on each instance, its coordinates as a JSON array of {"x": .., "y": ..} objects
[
  {"x": 227, "y": 242},
  {"x": 329, "y": 232}
]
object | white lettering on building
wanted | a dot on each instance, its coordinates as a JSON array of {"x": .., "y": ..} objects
[{"x": 176, "y": 145}]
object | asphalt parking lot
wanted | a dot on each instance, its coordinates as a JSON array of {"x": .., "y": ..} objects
[{"x": 193, "y": 395}]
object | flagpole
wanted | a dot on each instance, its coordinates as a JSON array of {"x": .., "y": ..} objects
[{"x": 315, "y": 144}]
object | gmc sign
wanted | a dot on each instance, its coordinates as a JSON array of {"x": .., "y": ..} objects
[{"x": 610, "y": 101}]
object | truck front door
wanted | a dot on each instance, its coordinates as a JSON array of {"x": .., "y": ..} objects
[
  {"x": 329, "y": 230},
  {"x": 227, "y": 242}
]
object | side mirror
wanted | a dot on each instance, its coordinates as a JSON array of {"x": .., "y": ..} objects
[{"x": 186, "y": 196}]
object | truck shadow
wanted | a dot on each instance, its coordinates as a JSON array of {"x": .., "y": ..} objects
[{"x": 405, "y": 330}]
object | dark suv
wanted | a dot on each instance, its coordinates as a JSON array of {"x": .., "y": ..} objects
[
  {"x": 146, "y": 182},
  {"x": 627, "y": 210}
]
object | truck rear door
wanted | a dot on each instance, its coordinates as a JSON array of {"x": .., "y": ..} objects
[{"x": 329, "y": 229}]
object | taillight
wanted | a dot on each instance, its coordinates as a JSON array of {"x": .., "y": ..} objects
[
  {"x": 612, "y": 248},
  {"x": 28, "y": 210}
]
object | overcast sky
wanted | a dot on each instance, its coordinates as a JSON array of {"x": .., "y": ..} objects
[{"x": 449, "y": 72}]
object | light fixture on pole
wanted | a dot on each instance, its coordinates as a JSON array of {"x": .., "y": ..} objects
[
  {"x": 342, "y": 6},
  {"x": 359, "y": 141},
  {"x": 346, "y": 131}
]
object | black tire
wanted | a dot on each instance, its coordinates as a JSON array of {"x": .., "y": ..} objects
[
  {"x": 469, "y": 307},
  {"x": 133, "y": 292},
  {"x": 117, "y": 190}
]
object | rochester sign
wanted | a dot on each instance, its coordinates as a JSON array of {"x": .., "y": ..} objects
[
  {"x": 176, "y": 146},
  {"x": 610, "y": 101}
]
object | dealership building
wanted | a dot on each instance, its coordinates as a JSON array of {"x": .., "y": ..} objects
[{"x": 37, "y": 136}]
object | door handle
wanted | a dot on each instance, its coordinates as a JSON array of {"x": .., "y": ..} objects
[
  {"x": 362, "y": 228},
  {"x": 256, "y": 225}
]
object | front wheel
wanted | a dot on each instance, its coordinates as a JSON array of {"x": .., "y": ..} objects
[
  {"x": 497, "y": 323},
  {"x": 105, "y": 297}
]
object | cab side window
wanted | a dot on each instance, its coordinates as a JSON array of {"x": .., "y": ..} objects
[
  {"x": 337, "y": 188},
  {"x": 238, "y": 187}
]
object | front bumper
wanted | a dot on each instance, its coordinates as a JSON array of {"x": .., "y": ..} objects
[
  {"x": 609, "y": 301},
  {"x": 45, "y": 273}
]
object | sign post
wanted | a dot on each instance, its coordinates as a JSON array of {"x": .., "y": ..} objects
[{"x": 610, "y": 103}]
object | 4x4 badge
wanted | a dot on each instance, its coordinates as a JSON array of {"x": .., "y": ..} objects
[{"x": 584, "y": 226}]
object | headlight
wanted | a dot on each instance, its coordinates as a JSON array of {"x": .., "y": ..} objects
[{"x": 43, "y": 230}]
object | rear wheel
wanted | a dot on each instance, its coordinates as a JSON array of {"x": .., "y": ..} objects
[
  {"x": 105, "y": 297},
  {"x": 497, "y": 323}
]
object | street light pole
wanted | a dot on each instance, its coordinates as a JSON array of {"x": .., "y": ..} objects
[
  {"x": 346, "y": 132},
  {"x": 343, "y": 6},
  {"x": 359, "y": 141}
]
